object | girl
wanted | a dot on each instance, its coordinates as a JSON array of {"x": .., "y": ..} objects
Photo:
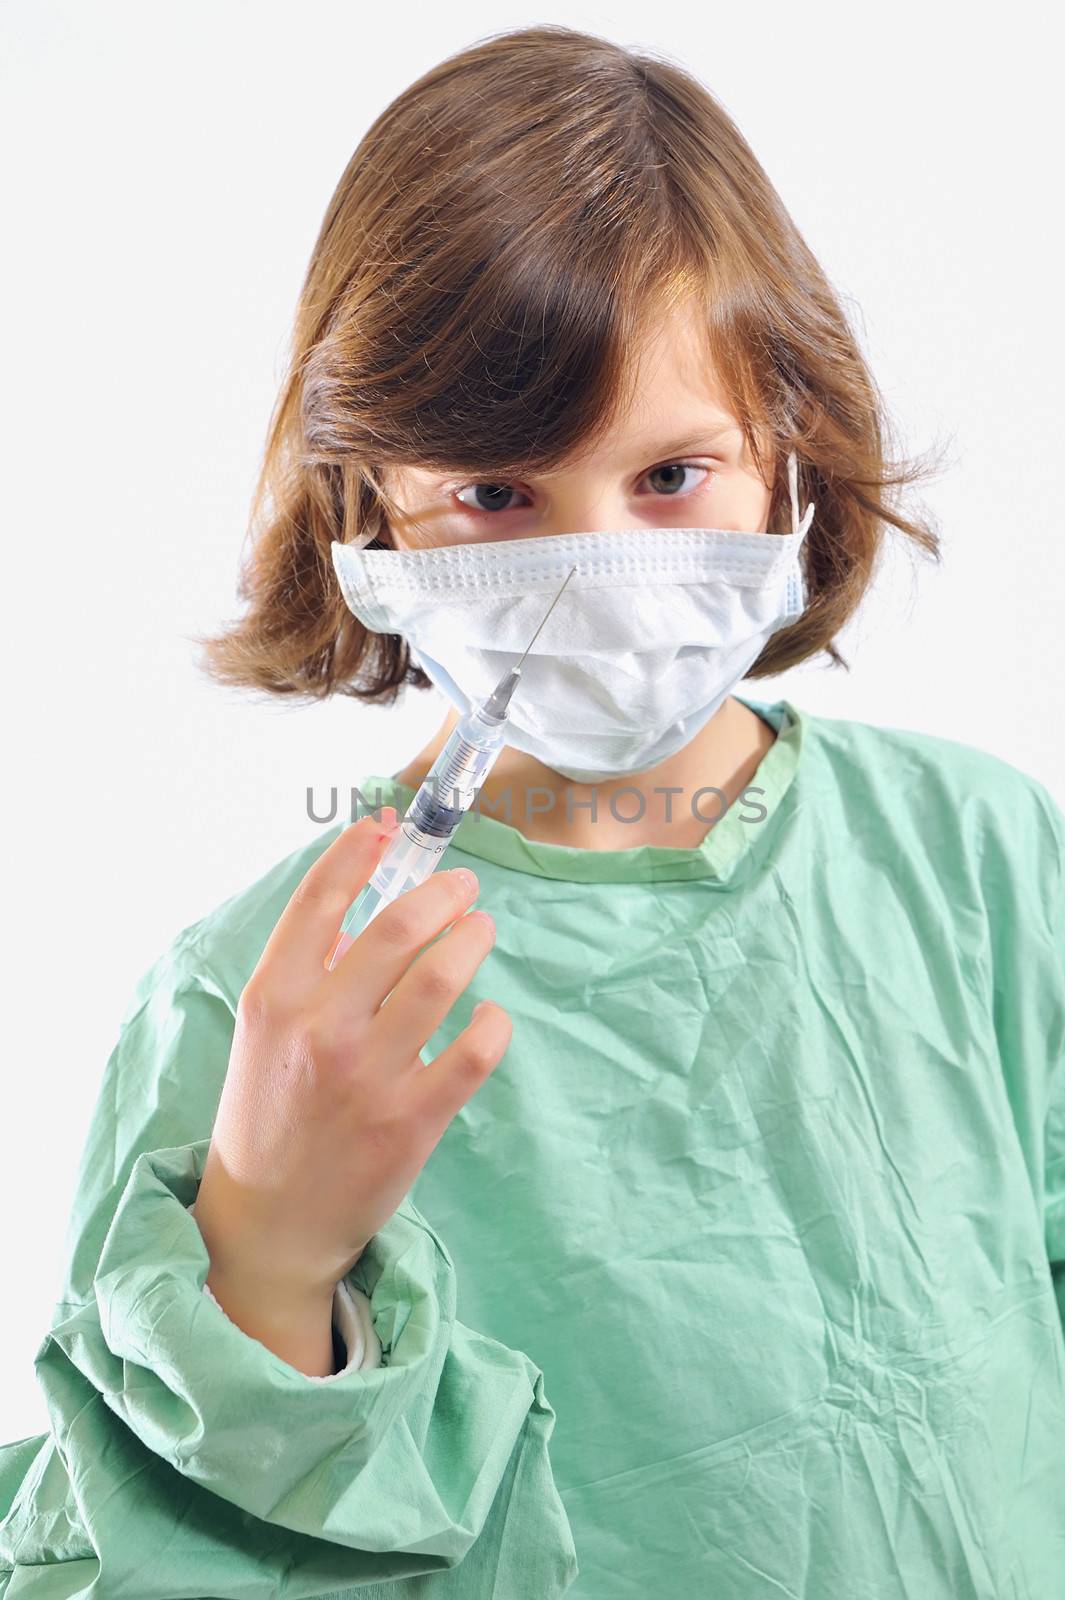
[{"x": 721, "y": 1250}]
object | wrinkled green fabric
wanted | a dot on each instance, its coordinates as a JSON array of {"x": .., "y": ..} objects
[{"x": 742, "y": 1276}]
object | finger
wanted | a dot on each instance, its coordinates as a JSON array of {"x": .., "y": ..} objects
[
  {"x": 443, "y": 1087},
  {"x": 429, "y": 988},
  {"x": 385, "y": 948},
  {"x": 306, "y": 930}
]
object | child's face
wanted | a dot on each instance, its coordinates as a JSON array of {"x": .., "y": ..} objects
[{"x": 677, "y": 459}]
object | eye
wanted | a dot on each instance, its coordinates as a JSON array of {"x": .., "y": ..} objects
[
  {"x": 668, "y": 472},
  {"x": 489, "y": 496}
]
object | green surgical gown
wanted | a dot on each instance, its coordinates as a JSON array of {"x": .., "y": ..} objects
[{"x": 741, "y": 1277}]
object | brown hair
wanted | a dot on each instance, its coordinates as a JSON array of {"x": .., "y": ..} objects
[{"x": 497, "y": 243}]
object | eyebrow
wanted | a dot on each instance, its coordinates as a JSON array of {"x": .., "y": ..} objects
[
  {"x": 708, "y": 435},
  {"x": 664, "y": 451}
]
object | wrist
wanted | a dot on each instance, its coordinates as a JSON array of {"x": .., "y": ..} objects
[
  {"x": 296, "y": 1325},
  {"x": 248, "y": 1246}
]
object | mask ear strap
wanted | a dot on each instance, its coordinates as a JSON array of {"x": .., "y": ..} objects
[
  {"x": 361, "y": 540},
  {"x": 798, "y": 525}
]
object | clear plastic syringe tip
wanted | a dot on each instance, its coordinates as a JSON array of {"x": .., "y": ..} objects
[{"x": 498, "y": 701}]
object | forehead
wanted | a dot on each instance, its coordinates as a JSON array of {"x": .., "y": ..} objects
[{"x": 671, "y": 390}]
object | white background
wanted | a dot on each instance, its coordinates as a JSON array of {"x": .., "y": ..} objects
[{"x": 166, "y": 172}]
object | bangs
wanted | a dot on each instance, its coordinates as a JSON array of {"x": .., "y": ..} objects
[{"x": 536, "y": 365}]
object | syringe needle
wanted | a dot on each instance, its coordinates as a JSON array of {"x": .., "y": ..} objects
[
  {"x": 546, "y": 614},
  {"x": 498, "y": 701}
]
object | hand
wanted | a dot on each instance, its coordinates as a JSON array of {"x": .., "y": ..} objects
[{"x": 327, "y": 1113}]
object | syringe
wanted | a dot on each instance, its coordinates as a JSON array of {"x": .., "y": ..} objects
[{"x": 446, "y": 794}]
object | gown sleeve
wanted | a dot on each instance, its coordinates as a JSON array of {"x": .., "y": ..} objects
[
  {"x": 1054, "y": 1191},
  {"x": 183, "y": 1458}
]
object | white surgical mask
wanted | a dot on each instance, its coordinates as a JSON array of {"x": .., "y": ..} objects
[{"x": 655, "y": 629}]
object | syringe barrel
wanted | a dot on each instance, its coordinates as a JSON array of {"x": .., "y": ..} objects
[{"x": 448, "y": 792}]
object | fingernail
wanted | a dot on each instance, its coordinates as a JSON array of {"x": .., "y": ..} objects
[
  {"x": 485, "y": 917},
  {"x": 467, "y": 878}
]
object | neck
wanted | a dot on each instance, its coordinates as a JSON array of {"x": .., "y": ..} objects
[{"x": 666, "y": 809}]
